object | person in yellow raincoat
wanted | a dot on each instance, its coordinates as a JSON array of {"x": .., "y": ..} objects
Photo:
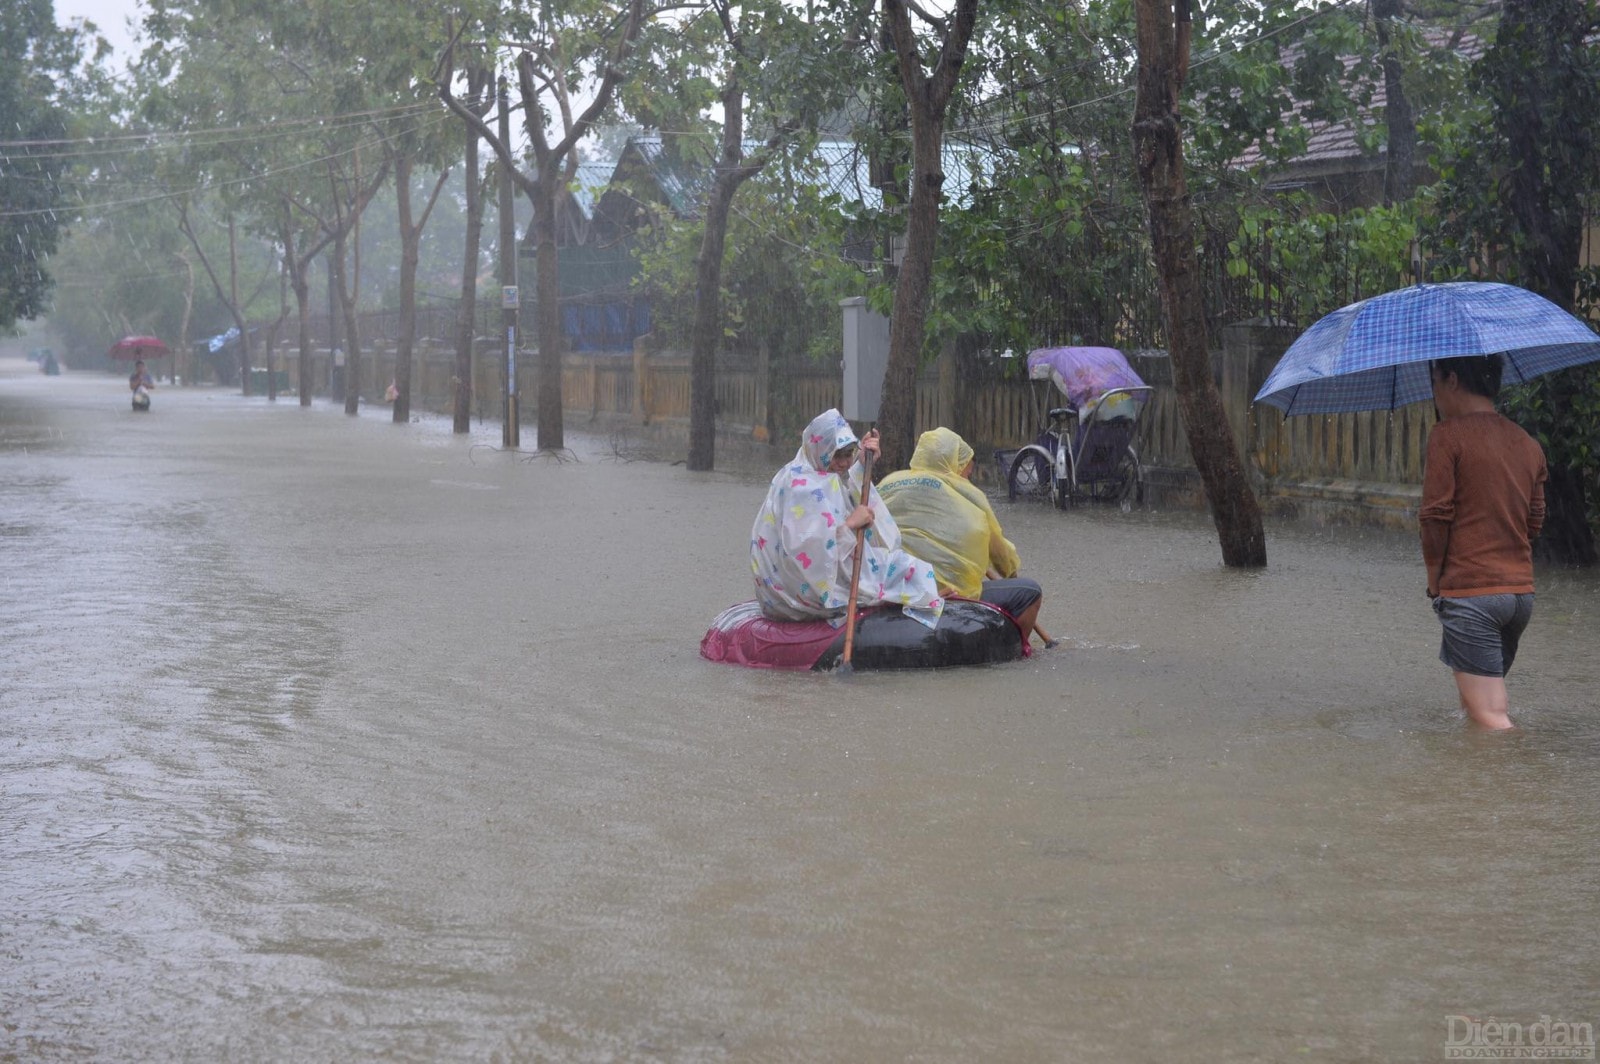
[{"x": 947, "y": 522}]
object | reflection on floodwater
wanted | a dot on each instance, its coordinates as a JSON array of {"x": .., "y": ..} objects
[{"x": 327, "y": 739}]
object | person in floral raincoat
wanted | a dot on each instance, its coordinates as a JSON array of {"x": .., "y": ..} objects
[{"x": 804, "y": 538}]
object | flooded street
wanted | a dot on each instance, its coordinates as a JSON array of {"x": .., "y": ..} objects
[{"x": 325, "y": 739}]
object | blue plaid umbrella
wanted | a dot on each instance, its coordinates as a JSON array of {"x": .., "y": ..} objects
[{"x": 1373, "y": 355}]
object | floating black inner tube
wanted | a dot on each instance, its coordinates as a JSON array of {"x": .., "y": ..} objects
[{"x": 969, "y": 633}]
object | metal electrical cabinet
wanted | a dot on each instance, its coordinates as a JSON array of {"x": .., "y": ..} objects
[{"x": 866, "y": 357}]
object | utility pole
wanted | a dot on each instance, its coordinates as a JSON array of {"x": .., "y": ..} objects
[{"x": 511, "y": 431}]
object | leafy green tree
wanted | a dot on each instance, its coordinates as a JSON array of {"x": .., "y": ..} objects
[
  {"x": 561, "y": 49},
  {"x": 1047, "y": 244},
  {"x": 203, "y": 87},
  {"x": 477, "y": 76},
  {"x": 1164, "y": 41},
  {"x": 41, "y": 88},
  {"x": 929, "y": 83},
  {"x": 1519, "y": 178},
  {"x": 780, "y": 66},
  {"x": 780, "y": 287},
  {"x": 333, "y": 129},
  {"x": 128, "y": 269}
]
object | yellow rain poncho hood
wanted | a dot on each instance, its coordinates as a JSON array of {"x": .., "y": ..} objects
[{"x": 944, "y": 519}]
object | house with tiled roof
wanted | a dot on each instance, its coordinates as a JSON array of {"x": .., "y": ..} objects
[
  {"x": 599, "y": 310},
  {"x": 1343, "y": 161},
  {"x": 601, "y": 218}
]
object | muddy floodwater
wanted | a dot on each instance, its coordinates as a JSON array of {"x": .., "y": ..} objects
[{"x": 325, "y": 739}]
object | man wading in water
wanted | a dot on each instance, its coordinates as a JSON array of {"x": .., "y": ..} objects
[{"x": 1482, "y": 507}]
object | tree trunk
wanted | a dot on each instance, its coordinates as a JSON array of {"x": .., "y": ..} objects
[
  {"x": 302, "y": 303},
  {"x": 347, "y": 310},
  {"x": 238, "y": 311},
  {"x": 467, "y": 311},
  {"x": 554, "y": 164},
  {"x": 1399, "y": 169},
  {"x": 928, "y": 98},
  {"x": 1542, "y": 178},
  {"x": 297, "y": 263},
  {"x": 297, "y": 267},
  {"x": 707, "y": 328},
  {"x": 410, "y": 238},
  {"x": 411, "y": 227},
  {"x": 907, "y": 321},
  {"x": 551, "y": 434},
  {"x": 189, "y": 357},
  {"x": 210, "y": 271},
  {"x": 890, "y": 158},
  {"x": 1158, "y": 147},
  {"x": 272, "y": 336},
  {"x": 708, "y": 282}
]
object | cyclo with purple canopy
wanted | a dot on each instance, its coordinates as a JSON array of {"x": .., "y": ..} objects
[{"x": 1085, "y": 447}]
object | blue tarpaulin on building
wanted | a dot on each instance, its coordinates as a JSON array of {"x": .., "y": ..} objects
[{"x": 611, "y": 326}]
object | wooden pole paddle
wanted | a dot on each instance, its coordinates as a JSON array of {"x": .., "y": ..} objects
[{"x": 845, "y": 666}]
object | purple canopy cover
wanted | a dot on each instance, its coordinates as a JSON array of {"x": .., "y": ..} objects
[{"x": 1082, "y": 374}]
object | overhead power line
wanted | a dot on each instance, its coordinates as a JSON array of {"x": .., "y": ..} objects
[{"x": 443, "y": 116}]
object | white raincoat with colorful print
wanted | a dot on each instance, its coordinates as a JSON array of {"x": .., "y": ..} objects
[{"x": 801, "y": 551}]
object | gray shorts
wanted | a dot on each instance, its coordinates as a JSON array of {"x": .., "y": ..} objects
[
  {"x": 1015, "y": 595},
  {"x": 1481, "y": 633}
]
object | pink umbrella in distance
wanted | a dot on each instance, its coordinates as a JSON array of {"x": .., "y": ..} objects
[{"x": 133, "y": 348}]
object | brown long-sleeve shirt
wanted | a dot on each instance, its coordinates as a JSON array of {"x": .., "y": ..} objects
[{"x": 1482, "y": 506}]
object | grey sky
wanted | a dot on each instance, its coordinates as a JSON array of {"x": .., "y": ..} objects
[{"x": 111, "y": 16}]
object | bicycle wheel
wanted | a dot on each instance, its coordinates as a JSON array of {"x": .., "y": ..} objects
[
  {"x": 1065, "y": 476},
  {"x": 1124, "y": 482},
  {"x": 1030, "y": 475}
]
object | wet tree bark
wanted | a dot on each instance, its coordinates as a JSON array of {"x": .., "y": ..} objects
[
  {"x": 231, "y": 301},
  {"x": 707, "y": 328},
  {"x": 708, "y": 283},
  {"x": 188, "y": 316},
  {"x": 1158, "y": 146},
  {"x": 928, "y": 97},
  {"x": 1399, "y": 169},
  {"x": 410, "y": 237},
  {"x": 296, "y": 265},
  {"x": 552, "y": 434},
  {"x": 733, "y": 170},
  {"x": 466, "y": 317},
  {"x": 298, "y": 259},
  {"x": 238, "y": 311},
  {"x": 352, "y": 332},
  {"x": 301, "y": 287},
  {"x": 411, "y": 227},
  {"x": 554, "y": 166}
]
